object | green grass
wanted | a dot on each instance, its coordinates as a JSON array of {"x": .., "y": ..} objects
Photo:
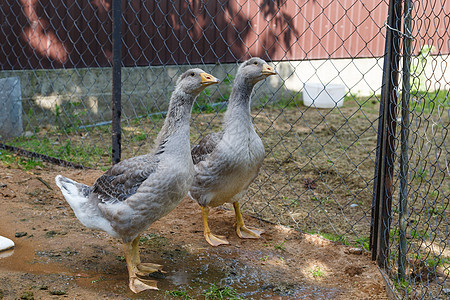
[
  {"x": 402, "y": 285},
  {"x": 331, "y": 237},
  {"x": 280, "y": 246},
  {"x": 178, "y": 294},
  {"x": 317, "y": 272},
  {"x": 141, "y": 136},
  {"x": 362, "y": 242},
  {"x": 321, "y": 200},
  {"x": 227, "y": 292},
  {"x": 420, "y": 173},
  {"x": 264, "y": 258},
  {"x": 292, "y": 202},
  {"x": 430, "y": 102},
  {"x": 86, "y": 154},
  {"x": 25, "y": 163}
]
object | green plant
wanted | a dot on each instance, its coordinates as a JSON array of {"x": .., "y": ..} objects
[
  {"x": 141, "y": 136},
  {"x": 264, "y": 258},
  {"x": 321, "y": 200},
  {"x": 420, "y": 173},
  {"x": 52, "y": 146},
  {"x": 292, "y": 202},
  {"x": 226, "y": 292},
  {"x": 402, "y": 284},
  {"x": 317, "y": 272},
  {"x": 178, "y": 294},
  {"x": 280, "y": 246},
  {"x": 25, "y": 163},
  {"x": 331, "y": 237}
]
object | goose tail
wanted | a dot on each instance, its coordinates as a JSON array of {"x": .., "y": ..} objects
[{"x": 76, "y": 194}]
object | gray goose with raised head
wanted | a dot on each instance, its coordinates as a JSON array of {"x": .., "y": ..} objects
[
  {"x": 227, "y": 162},
  {"x": 136, "y": 192}
]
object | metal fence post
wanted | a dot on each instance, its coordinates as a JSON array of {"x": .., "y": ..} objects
[
  {"x": 116, "y": 81},
  {"x": 385, "y": 155},
  {"x": 404, "y": 160}
]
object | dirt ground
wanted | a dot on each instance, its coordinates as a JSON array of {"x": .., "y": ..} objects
[{"x": 55, "y": 256}]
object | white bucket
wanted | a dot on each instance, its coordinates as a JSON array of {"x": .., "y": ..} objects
[{"x": 323, "y": 96}]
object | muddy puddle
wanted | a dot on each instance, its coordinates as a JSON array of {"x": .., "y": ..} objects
[{"x": 188, "y": 269}]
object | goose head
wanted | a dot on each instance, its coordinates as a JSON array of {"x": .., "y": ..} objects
[
  {"x": 194, "y": 81},
  {"x": 255, "y": 69}
]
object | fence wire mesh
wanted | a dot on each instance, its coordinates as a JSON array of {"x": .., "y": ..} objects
[
  {"x": 416, "y": 224},
  {"x": 318, "y": 173}
]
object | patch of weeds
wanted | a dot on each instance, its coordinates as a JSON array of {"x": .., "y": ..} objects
[
  {"x": 27, "y": 295},
  {"x": 226, "y": 292},
  {"x": 331, "y": 237},
  {"x": 414, "y": 233},
  {"x": 68, "y": 150},
  {"x": 264, "y": 258},
  {"x": 402, "y": 285},
  {"x": 280, "y": 246},
  {"x": 434, "y": 262},
  {"x": 317, "y": 272},
  {"x": 70, "y": 117},
  {"x": 10, "y": 159},
  {"x": 292, "y": 202},
  {"x": 321, "y": 200},
  {"x": 420, "y": 174},
  {"x": 178, "y": 294},
  {"x": 141, "y": 137}
]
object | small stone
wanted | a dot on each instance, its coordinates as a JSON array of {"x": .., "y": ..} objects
[
  {"x": 355, "y": 251},
  {"x": 354, "y": 205},
  {"x": 20, "y": 234},
  {"x": 58, "y": 292}
]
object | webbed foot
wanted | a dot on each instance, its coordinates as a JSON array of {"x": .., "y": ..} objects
[
  {"x": 138, "y": 285},
  {"x": 248, "y": 232},
  {"x": 216, "y": 240}
]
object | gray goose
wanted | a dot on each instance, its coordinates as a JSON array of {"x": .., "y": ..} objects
[
  {"x": 226, "y": 162},
  {"x": 136, "y": 192}
]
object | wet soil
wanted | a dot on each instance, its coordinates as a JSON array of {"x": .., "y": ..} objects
[{"x": 55, "y": 256}]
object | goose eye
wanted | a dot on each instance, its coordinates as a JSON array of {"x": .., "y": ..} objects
[
  {"x": 255, "y": 63},
  {"x": 192, "y": 74}
]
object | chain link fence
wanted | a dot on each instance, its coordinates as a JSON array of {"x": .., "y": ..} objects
[
  {"x": 410, "y": 234},
  {"x": 320, "y": 171}
]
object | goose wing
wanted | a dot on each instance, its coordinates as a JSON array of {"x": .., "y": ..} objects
[
  {"x": 123, "y": 179},
  {"x": 206, "y": 146}
]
